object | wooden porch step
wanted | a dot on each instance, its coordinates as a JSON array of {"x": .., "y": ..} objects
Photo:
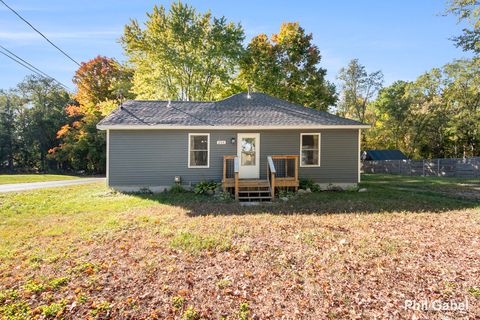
[
  {"x": 254, "y": 191},
  {"x": 254, "y": 198},
  {"x": 253, "y": 183}
]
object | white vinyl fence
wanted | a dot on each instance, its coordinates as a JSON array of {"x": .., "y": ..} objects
[{"x": 450, "y": 167}]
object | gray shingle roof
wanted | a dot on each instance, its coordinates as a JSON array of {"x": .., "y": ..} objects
[{"x": 237, "y": 110}]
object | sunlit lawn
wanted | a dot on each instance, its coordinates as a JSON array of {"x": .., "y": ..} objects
[{"x": 23, "y": 178}]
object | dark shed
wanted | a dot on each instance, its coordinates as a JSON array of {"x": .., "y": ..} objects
[{"x": 383, "y": 155}]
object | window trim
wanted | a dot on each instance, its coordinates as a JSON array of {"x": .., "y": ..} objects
[
  {"x": 190, "y": 166},
  {"x": 319, "y": 148}
]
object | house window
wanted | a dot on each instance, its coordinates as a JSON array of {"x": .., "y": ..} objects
[
  {"x": 310, "y": 149},
  {"x": 248, "y": 152},
  {"x": 198, "y": 150}
]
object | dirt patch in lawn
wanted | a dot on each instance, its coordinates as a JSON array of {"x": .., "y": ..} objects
[{"x": 168, "y": 265}]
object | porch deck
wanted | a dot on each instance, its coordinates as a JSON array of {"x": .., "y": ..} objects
[{"x": 282, "y": 172}]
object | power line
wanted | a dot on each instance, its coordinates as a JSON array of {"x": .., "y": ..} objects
[
  {"x": 20, "y": 63},
  {"x": 30, "y": 67},
  {"x": 34, "y": 69},
  {"x": 38, "y": 31},
  {"x": 26, "y": 62}
]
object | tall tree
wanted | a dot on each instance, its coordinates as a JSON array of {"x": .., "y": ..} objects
[
  {"x": 182, "y": 54},
  {"x": 9, "y": 104},
  {"x": 101, "y": 85},
  {"x": 358, "y": 89},
  {"x": 437, "y": 115},
  {"x": 429, "y": 116},
  {"x": 40, "y": 113},
  {"x": 462, "y": 95},
  {"x": 391, "y": 118},
  {"x": 286, "y": 65},
  {"x": 467, "y": 11},
  {"x": 100, "y": 80}
]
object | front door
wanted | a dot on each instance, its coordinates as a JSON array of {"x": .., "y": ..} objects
[{"x": 248, "y": 152}]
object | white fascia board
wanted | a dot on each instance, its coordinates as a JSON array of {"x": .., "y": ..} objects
[{"x": 171, "y": 127}]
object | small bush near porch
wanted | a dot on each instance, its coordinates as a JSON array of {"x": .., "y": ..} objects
[{"x": 90, "y": 252}]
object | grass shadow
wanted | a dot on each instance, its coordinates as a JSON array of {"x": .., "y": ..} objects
[{"x": 384, "y": 194}]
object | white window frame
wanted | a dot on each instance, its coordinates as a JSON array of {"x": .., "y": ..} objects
[
  {"x": 208, "y": 150},
  {"x": 319, "y": 148}
]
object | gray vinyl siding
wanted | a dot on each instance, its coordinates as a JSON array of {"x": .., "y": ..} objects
[{"x": 155, "y": 157}]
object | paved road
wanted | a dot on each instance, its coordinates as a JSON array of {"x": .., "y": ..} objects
[{"x": 47, "y": 184}]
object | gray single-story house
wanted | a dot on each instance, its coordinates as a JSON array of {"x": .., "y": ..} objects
[{"x": 251, "y": 142}]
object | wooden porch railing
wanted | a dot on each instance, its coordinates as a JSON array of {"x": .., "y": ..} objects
[
  {"x": 286, "y": 166},
  {"x": 228, "y": 167},
  {"x": 236, "y": 170},
  {"x": 271, "y": 172},
  {"x": 231, "y": 174}
]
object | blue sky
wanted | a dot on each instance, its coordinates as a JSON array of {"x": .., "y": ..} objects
[{"x": 401, "y": 38}]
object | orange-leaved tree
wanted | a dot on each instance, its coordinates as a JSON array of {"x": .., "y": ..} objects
[{"x": 101, "y": 85}]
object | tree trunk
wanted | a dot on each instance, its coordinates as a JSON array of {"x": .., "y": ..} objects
[
  {"x": 42, "y": 162},
  {"x": 10, "y": 161}
]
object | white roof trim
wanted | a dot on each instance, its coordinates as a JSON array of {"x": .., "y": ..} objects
[{"x": 175, "y": 127}]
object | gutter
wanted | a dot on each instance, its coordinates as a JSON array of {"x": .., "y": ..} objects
[{"x": 176, "y": 127}]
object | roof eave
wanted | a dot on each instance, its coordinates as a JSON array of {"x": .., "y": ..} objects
[{"x": 225, "y": 127}]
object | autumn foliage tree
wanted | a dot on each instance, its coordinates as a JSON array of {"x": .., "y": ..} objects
[
  {"x": 98, "y": 82},
  {"x": 182, "y": 54},
  {"x": 101, "y": 85},
  {"x": 286, "y": 65}
]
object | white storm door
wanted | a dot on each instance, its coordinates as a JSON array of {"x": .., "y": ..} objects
[{"x": 248, "y": 152}]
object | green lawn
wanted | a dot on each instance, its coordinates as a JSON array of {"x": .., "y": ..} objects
[
  {"x": 22, "y": 178},
  {"x": 90, "y": 252}
]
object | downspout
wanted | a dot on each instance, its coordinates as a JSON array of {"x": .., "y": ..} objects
[
  {"x": 358, "y": 154},
  {"x": 108, "y": 157}
]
